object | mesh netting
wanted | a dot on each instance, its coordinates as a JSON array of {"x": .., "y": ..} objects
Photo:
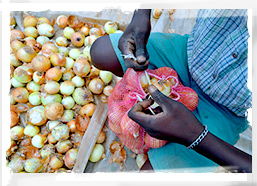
[{"x": 124, "y": 97}]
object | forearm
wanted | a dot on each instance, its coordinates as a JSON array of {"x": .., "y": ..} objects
[{"x": 224, "y": 154}]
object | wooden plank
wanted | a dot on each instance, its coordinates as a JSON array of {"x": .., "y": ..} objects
[{"x": 89, "y": 139}]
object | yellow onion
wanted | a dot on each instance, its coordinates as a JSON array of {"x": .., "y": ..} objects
[
  {"x": 86, "y": 51},
  {"x": 94, "y": 71},
  {"x": 63, "y": 146},
  {"x": 88, "y": 109},
  {"x": 14, "y": 61},
  {"x": 12, "y": 101},
  {"x": 72, "y": 125},
  {"x": 16, "y": 133},
  {"x": 61, "y": 41},
  {"x": 52, "y": 124},
  {"x": 54, "y": 74},
  {"x": 35, "y": 98},
  {"x": 74, "y": 53},
  {"x": 84, "y": 30},
  {"x": 77, "y": 39},
  {"x": 30, "y": 41},
  {"x": 31, "y": 130},
  {"x": 61, "y": 21},
  {"x": 69, "y": 63},
  {"x": 50, "y": 98},
  {"x": 70, "y": 157},
  {"x": 31, "y": 32},
  {"x": 38, "y": 140},
  {"x": 11, "y": 71},
  {"x": 67, "y": 116},
  {"x": 141, "y": 159},
  {"x": 68, "y": 102},
  {"x": 96, "y": 32},
  {"x": 54, "y": 110},
  {"x": 104, "y": 98},
  {"x": 163, "y": 86},
  {"x": 78, "y": 81},
  {"x": 15, "y": 83},
  {"x": 108, "y": 90},
  {"x": 38, "y": 77},
  {"x": 47, "y": 150},
  {"x": 30, "y": 21},
  {"x": 20, "y": 95},
  {"x": 96, "y": 86},
  {"x": 67, "y": 88},
  {"x": 43, "y": 20},
  {"x": 41, "y": 63},
  {"x": 45, "y": 29},
  {"x": 42, "y": 40},
  {"x": 106, "y": 76},
  {"x": 26, "y": 54},
  {"x": 101, "y": 137},
  {"x": 63, "y": 50},
  {"x": 16, "y": 35},
  {"x": 12, "y": 20},
  {"x": 33, "y": 87},
  {"x": 33, "y": 165},
  {"x": 67, "y": 32},
  {"x": 81, "y": 67},
  {"x": 144, "y": 82},
  {"x": 16, "y": 45},
  {"x": 89, "y": 40},
  {"x": 56, "y": 161},
  {"x": 51, "y": 139},
  {"x": 58, "y": 59},
  {"x": 82, "y": 96},
  {"x": 61, "y": 132},
  {"x": 17, "y": 163},
  {"x": 36, "y": 116},
  {"x": 97, "y": 153},
  {"x": 110, "y": 27},
  {"x": 157, "y": 13},
  {"x": 14, "y": 119},
  {"x": 48, "y": 49},
  {"x": 23, "y": 74},
  {"x": 68, "y": 75},
  {"x": 52, "y": 87}
]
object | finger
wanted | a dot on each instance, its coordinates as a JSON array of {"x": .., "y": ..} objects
[
  {"x": 141, "y": 51},
  {"x": 157, "y": 96},
  {"x": 130, "y": 63}
]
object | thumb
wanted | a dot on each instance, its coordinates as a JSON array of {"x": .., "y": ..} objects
[
  {"x": 158, "y": 96},
  {"x": 141, "y": 51}
]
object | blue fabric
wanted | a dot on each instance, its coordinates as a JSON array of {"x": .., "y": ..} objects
[{"x": 171, "y": 50}]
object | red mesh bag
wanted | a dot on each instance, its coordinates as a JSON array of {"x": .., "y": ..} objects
[{"x": 124, "y": 97}]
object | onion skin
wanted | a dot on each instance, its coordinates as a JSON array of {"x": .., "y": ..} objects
[
  {"x": 16, "y": 45},
  {"x": 36, "y": 116},
  {"x": 58, "y": 59},
  {"x": 52, "y": 87},
  {"x": 47, "y": 150},
  {"x": 56, "y": 161},
  {"x": 62, "y": 21},
  {"x": 70, "y": 158},
  {"x": 23, "y": 74},
  {"x": 81, "y": 67},
  {"x": 16, "y": 35},
  {"x": 54, "y": 111},
  {"x": 82, "y": 96},
  {"x": 26, "y": 54},
  {"x": 38, "y": 77},
  {"x": 30, "y": 21},
  {"x": 33, "y": 165},
  {"x": 20, "y": 95},
  {"x": 61, "y": 132},
  {"x": 41, "y": 63},
  {"x": 63, "y": 146},
  {"x": 16, "y": 133},
  {"x": 88, "y": 110},
  {"x": 54, "y": 74},
  {"x": 48, "y": 49},
  {"x": 77, "y": 39},
  {"x": 72, "y": 125},
  {"x": 96, "y": 86},
  {"x": 14, "y": 119}
]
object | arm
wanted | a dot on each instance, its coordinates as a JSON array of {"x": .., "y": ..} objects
[{"x": 177, "y": 124}]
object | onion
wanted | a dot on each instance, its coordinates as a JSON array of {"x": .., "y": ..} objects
[
  {"x": 20, "y": 95},
  {"x": 38, "y": 140},
  {"x": 56, "y": 161},
  {"x": 157, "y": 13},
  {"x": 35, "y": 98},
  {"x": 94, "y": 71},
  {"x": 52, "y": 87},
  {"x": 97, "y": 153},
  {"x": 51, "y": 139},
  {"x": 36, "y": 116},
  {"x": 110, "y": 27},
  {"x": 82, "y": 96},
  {"x": 16, "y": 133},
  {"x": 14, "y": 119},
  {"x": 63, "y": 146},
  {"x": 69, "y": 63},
  {"x": 64, "y": 51},
  {"x": 31, "y": 130},
  {"x": 101, "y": 137},
  {"x": 30, "y": 21},
  {"x": 144, "y": 82},
  {"x": 42, "y": 40},
  {"x": 16, "y": 35},
  {"x": 41, "y": 63},
  {"x": 68, "y": 102},
  {"x": 118, "y": 32},
  {"x": 14, "y": 61},
  {"x": 72, "y": 125},
  {"x": 61, "y": 41},
  {"x": 88, "y": 110},
  {"x": 104, "y": 98},
  {"x": 96, "y": 32},
  {"x": 81, "y": 123},
  {"x": 23, "y": 74},
  {"x": 15, "y": 83},
  {"x": 17, "y": 163},
  {"x": 33, "y": 165},
  {"x": 16, "y": 45},
  {"x": 141, "y": 159},
  {"x": 33, "y": 87},
  {"x": 12, "y": 20},
  {"x": 81, "y": 67},
  {"x": 74, "y": 53},
  {"x": 70, "y": 158},
  {"x": 67, "y": 32},
  {"x": 26, "y": 54},
  {"x": 106, "y": 76},
  {"x": 78, "y": 81},
  {"x": 54, "y": 110},
  {"x": 96, "y": 86},
  {"x": 58, "y": 59},
  {"x": 47, "y": 150},
  {"x": 89, "y": 40},
  {"x": 54, "y": 74},
  {"x": 68, "y": 75},
  {"x": 77, "y": 39},
  {"x": 86, "y": 51},
  {"x": 67, "y": 88},
  {"x": 31, "y": 32},
  {"x": 51, "y": 124},
  {"x": 48, "y": 49},
  {"x": 12, "y": 101},
  {"x": 43, "y": 20},
  {"x": 38, "y": 77},
  {"x": 61, "y": 21},
  {"x": 84, "y": 30},
  {"x": 61, "y": 132},
  {"x": 67, "y": 116},
  {"x": 108, "y": 90},
  {"x": 30, "y": 41},
  {"x": 11, "y": 71},
  {"x": 51, "y": 98},
  {"x": 45, "y": 29}
]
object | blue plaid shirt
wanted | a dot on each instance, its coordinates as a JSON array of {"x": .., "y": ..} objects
[{"x": 217, "y": 57}]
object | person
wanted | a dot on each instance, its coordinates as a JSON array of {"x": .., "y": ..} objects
[{"x": 212, "y": 60}]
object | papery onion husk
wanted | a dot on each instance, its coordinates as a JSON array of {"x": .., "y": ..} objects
[
  {"x": 70, "y": 157},
  {"x": 63, "y": 146},
  {"x": 14, "y": 118},
  {"x": 54, "y": 110},
  {"x": 20, "y": 95},
  {"x": 16, "y": 35},
  {"x": 88, "y": 110},
  {"x": 81, "y": 123}
]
